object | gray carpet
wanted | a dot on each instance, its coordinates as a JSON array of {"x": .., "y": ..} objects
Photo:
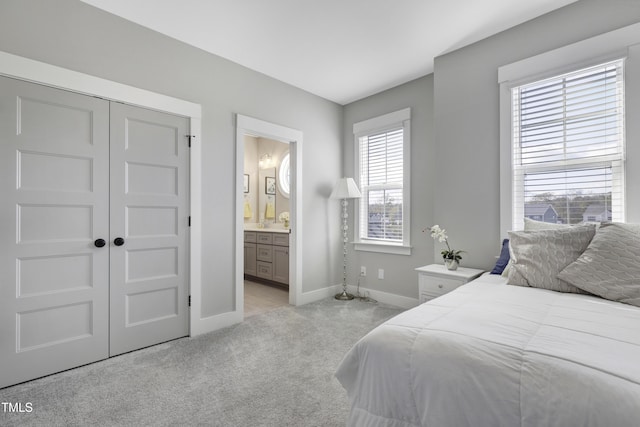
[{"x": 274, "y": 369}]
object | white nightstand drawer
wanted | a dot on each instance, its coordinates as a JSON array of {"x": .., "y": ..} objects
[
  {"x": 437, "y": 286},
  {"x": 435, "y": 280}
]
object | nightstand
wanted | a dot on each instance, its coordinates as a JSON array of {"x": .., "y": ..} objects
[{"x": 435, "y": 280}]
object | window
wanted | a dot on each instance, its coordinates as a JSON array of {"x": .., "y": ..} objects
[
  {"x": 567, "y": 137},
  {"x": 284, "y": 176},
  {"x": 382, "y": 156}
]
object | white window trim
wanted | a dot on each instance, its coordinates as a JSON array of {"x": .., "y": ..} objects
[
  {"x": 613, "y": 161},
  {"x": 367, "y": 127},
  {"x": 589, "y": 52}
]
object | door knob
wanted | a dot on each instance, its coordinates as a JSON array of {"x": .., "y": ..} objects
[
  {"x": 99, "y": 243},
  {"x": 118, "y": 241}
]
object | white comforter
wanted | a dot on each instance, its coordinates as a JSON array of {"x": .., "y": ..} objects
[{"x": 490, "y": 354}]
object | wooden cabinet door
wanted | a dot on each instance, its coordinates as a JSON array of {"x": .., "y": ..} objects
[
  {"x": 281, "y": 264},
  {"x": 250, "y": 259}
]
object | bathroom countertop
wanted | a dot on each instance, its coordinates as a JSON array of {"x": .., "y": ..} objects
[{"x": 275, "y": 229}]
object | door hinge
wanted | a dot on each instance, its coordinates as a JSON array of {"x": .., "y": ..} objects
[
  {"x": 189, "y": 137},
  {"x": 189, "y": 300}
]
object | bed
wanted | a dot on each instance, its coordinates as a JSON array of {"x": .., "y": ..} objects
[{"x": 492, "y": 354}]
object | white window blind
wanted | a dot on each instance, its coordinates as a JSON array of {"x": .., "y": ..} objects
[
  {"x": 568, "y": 147},
  {"x": 381, "y": 165}
]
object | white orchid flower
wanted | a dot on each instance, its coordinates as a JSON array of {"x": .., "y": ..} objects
[{"x": 440, "y": 234}]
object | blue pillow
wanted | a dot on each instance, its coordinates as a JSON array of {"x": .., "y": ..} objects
[{"x": 503, "y": 260}]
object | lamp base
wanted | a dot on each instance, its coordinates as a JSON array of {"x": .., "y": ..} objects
[{"x": 344, "y": 296}]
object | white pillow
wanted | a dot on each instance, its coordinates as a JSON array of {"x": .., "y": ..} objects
[
  {"x": 538, "y": 256},
  {"x": 610, "y": 266}
]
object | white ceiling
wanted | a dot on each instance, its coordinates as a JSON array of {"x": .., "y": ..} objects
[{"x": 341, "y": 50}]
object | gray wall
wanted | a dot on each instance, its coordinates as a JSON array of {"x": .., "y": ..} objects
[
  {"x": 73, "y": 35},
  {"x": 455, "y": 129},
  {"x": 455, "y": 140},
  {"x": 399, "y": 275},
  {"x": 467, "y": 118}
]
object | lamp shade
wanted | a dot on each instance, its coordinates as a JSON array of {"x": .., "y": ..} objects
[{"x": 345, "y": 188}]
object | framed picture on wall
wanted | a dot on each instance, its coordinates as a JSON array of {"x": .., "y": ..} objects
[
  {"x": 246, "y": 183},
  {"x": 270, "y": 185}
]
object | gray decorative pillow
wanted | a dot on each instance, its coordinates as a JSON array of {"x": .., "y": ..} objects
[
  {"x": 610, "y": 266},
  {"x": 538, "y": 256},
  {"x": 533, "y": 225}
]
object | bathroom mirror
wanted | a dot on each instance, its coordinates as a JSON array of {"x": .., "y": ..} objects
[{"x": 265, "y": 160}]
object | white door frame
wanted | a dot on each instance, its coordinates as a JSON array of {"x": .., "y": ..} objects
[
  {"x": 249, "y": 126},
  {"x": 50, "y": 75}
]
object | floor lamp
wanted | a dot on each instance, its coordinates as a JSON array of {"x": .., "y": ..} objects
[{"x": 345, "y": 189}]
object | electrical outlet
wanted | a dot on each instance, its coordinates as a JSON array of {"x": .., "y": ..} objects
[
  {"x": 380, "y": 273},
  {"x": 363, "y": 270}
]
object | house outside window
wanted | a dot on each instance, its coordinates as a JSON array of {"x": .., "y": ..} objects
[
  {"x": 541, "y": 212},
  {"x": 382, "y": 170},
  {"x": 568, "y": 146},
  {"x": 597, "y": 213}
]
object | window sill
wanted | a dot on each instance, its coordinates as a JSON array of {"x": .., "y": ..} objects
[{"x": 382, "y": 248}]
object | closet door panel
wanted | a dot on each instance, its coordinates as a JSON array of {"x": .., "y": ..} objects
[
  {"x": 149, "y": 211},
  {"x": 54, "y": 190}
]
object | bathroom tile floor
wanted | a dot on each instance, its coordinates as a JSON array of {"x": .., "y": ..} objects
[{"x": 260, "y": 298}]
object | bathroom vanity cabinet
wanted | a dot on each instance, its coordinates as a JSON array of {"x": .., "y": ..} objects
[{"x": 266, "y": 256}]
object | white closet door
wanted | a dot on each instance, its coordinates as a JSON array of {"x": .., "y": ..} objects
[
  {"x": 149, "y": 212},
  {"x": 54, "y": 204}
]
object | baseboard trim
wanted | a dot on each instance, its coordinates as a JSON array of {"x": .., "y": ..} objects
[
  {"x": 223, "y": 320},
  {"x": 386, "y": 297},
  {"x": 383, "y": 297},
  {"x": 319, "y": 294},
  {"x": 213, "y": 323}
]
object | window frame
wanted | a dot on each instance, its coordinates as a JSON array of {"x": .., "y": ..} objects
[
  {"x": 606, "y": 47},
  {"x": 616, "y": 162},
  {"x": 391, "y": 121}
]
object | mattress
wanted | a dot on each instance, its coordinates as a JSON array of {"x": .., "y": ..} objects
[{"x": 491, "y": 354}]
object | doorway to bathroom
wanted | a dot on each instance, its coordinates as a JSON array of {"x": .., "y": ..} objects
[
  {"x": 268, "y": 220},
  {"x": 266, "y": 190}
]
